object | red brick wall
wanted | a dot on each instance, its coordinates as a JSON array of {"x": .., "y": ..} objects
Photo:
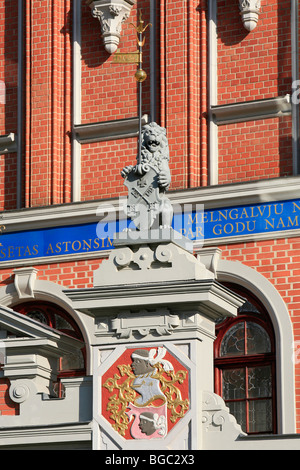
[
  {"x": 7, "y": 406},
  {"x": 48, "y": 103},
  {"x": 251, "y": 66},
  {"x": 109, "y": 91},
  {"x": 8, "y": 99},
  {"x": 8, "y": 183},
  {"x": 106, "y": 159},
  {"x": 254, "y": 65},
  {"x": 255, "y": 150},
  {"x": 8, "y": 66},
  {"x": 76, "y": 274}
]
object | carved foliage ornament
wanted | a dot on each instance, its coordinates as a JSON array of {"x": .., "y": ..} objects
[
  {"x": 250, "y": 10},
  {"x": 111, "y": 15}
]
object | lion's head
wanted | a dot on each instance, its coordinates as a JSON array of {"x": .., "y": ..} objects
[{"x": 154, "y": 139}]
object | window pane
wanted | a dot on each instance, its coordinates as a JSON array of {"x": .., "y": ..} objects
[
  {"x": 72, "y": 361},
  {"x": 233, "y": 384},
  {"x": 233, "y": 343},
  {"x": 62, "y": 324},
  {"x": 38, "y": 316},
  {"x": 258, "y": 340},
  {"x": 248, "y": 307},
  {"x": 259, "y": 382},
  {"x": 260, "y": 416},
  {"x": 238, "y": 410}
]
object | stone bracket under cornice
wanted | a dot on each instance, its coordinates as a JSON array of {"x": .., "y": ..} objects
[
  {"x": 251, "y": 110},
  {"x": 111, "y": 15},
  {"x": 24, "y": 281}
]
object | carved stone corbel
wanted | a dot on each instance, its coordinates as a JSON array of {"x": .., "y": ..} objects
[
  {"x": 111, "y": 14},
  {"x": 250, "y": 10},
  {"x": 24, "y": 282}
]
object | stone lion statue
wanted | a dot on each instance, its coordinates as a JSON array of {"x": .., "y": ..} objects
[{"x": 155, "y": 152}]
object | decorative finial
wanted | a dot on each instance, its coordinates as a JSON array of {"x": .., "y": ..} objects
[{"x": 140, "y": 74}]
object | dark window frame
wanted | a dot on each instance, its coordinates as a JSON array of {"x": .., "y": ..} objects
[
  {"x": 256, "y": 313},
  {"x": 49, "y": 310}
]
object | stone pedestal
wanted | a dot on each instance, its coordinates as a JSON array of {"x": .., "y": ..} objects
[{"x": 154, "y": 305}]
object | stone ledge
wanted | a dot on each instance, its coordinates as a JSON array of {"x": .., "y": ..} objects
[
  {"x": 252, "y": 110},
  {"x": 109, "y": 130}
]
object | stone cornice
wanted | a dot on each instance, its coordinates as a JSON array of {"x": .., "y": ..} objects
[
  {"x": 211, "y": 197},
  {"x": 46, "y": 435},
  {"x": 269, "y": 190},
  {"x": 214, "y": 298},
  {"x": 38, "y": 335}
]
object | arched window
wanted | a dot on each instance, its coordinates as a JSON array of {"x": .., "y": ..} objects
[
  {"x": 71, "y": 365},
  {"x": 245, "y": 366}
]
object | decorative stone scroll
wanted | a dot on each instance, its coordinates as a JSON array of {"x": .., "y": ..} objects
[
  {"x": 150, "y": 263},
  {"x": 143, "y": 322},
  {"x": 20, "y": 390},
  {"x": 218, "y": 425}
]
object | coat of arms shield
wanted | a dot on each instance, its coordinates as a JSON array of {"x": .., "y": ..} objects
[
  {"x": 145, "y": 393},
  {"x": 144, "y": 201}
]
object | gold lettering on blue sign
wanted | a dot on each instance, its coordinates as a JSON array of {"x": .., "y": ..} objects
[
  {"x": 224, "y": 223},
  {"x": 293, "y": 223},
  {"x": 242, "y": 220},
  {"x": 294, "y": 207},
  {"x": 19, "y": 251}
]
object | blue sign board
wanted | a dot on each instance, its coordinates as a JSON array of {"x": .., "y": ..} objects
[{"x": 212, "y": 224}]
